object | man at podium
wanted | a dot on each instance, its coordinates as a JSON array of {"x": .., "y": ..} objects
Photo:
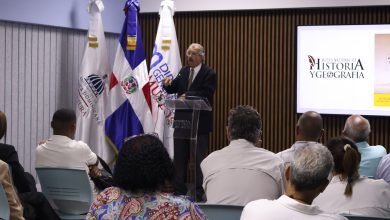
[{"x": 194, "y": 80}]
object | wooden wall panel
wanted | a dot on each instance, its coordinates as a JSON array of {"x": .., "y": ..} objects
[{"x": 253, "y": 53}]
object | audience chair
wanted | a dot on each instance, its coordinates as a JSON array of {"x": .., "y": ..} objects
[
  {"x": 219, "y": 212},
  {"x": 358, "y": 217},
  {"x": 69, "y": 190},
  {"x": 4, "y": 206}
]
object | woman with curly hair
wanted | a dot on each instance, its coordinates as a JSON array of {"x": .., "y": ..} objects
[
  {"x": 142, "y": 171},
  {"x": 348, "y": 192}
]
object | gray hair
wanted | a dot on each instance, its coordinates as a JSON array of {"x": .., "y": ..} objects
[
  {"x": 244, "y": 122},
  {"x": 311, "y": 166},
  {"x": 357, "y": 128},
  {"x": 198, "y": 47}
]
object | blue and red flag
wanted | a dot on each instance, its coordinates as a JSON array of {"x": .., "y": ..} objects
[{"x": 129, "y": 107}]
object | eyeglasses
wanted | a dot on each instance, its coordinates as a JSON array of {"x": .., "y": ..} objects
[
  {"x": 190, "y": 54},
  {"x": 140, "y": 135}
]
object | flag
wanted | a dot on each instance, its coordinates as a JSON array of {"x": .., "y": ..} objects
[
  {"x": 129, "y": 107},
  {"x": 165, "y": 62},
  {"x": 93, "y": 84}
]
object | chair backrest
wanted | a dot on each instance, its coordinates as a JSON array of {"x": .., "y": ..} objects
[
  {"x": 4, "y": 206},
  {"x": 358, "y": 217},
  {"x": 219, "y": 212},
  {"x": 68, "y": 189},
  {"x": 240, "y": 186}
]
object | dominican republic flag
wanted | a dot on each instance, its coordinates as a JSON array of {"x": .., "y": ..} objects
[
  {"x": 165, "y": 62},
  {"x": 93, "y": 86},
  {"x": 129, "y": 107}
]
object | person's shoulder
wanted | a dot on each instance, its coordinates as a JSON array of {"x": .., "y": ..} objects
[
  {"x": 175, "y": 199},
  {"x": 385, "y": 160},
  {"x": 111, "y": 192},
  {"x": 260, "y": 204},
  {"x": 285, "y": 151},
  {"x": 217, "y": 152},
  {"x": 378, "y": 148},
  {"x": 183, "y": 69},
  {"x": 375, "y": 183},
  {"x": 185, "y": 206},
  {"x": 332, "y": 216},
  {"x": 80, "y": 144},
  {"x": 6, "y": 147},
  {"x": 268, "y": 153},
  {"x": 3, "y": 165},
  {"x": 257, "y": 202},
  {"x": 207, "y": 68},
  {"x": 211, "y": 157}
]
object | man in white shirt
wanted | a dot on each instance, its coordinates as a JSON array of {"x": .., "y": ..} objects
[
  {"x": 309, "y": 129},
  {"x": 383, "y": 171},
  {"x": 60, "y": 150},
  {"x": 242, "y": 172},
  {"x": 357, "y": 128},
  {"x": 306, "y": 177}
]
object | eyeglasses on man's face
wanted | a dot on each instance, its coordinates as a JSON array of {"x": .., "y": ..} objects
[{"x": 192, "y": 53}]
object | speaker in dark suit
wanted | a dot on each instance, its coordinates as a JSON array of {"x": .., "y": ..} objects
[{"x": 195, "y": 79}]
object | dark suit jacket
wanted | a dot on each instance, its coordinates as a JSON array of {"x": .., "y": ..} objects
[
  {"x": 9, "y": 155},
  {"x": 203, "y": 85}
]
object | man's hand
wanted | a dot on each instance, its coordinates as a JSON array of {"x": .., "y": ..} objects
[
  {"x": 167, "y": 81},
  {"x": 42, "y": 142},
  {"x": 94, "y": 171},
  {"x": 182, "y": 97}
]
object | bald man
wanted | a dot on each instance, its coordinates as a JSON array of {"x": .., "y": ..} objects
[
  {"x": 358, "y": 129},
  {"x": 309, "y": 129}
]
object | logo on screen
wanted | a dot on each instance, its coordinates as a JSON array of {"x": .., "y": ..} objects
[{"x": 337, "y": 68}]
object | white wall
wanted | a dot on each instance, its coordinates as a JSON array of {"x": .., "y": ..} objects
[
  {"x": 62, "y": 13},
  {"x": 216, "y": 5},
  {"x": 73, "y": 13},
  {"x": 38, "y": 74}
]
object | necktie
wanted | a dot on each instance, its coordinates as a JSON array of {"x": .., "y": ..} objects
[{"x": 190, "y": 78}]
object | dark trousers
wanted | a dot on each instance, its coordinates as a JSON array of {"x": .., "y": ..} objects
[
  {"x": 181, "y": 158},
  {"x": 36, "y": 206}
]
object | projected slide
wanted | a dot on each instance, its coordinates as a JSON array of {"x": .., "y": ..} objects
[{"x": 344, "y": 69}]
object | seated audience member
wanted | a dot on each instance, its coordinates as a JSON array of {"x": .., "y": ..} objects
[
  {"x": 383, "y": 171},
  {"x": 348, "y": 192},
  {"x": 61, "y": 150},
  {"x": 16, "y": 209},
  {"x": 142, "y": 170},
  {"x": 242, "y": 172},
  {"x": 34, "y": 203},
  {"x": 357, "y": 128},
  {"x": 306, "y": 176},
  {"x": 9, "y": 155},
  {"x": 309, "y": 129}
]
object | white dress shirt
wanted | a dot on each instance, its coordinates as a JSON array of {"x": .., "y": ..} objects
[
  {"x": 240, "y": 173},
  {"x": 369, "y": 197},
  {"x": 61, "y": 151},
  {"x": 288, "y": 155},
  {"x": 284, "y": 208},
  {"x": 383, "y": 171}
]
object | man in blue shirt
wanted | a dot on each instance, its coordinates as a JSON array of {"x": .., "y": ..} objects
[{"x": 358, "y": 129}]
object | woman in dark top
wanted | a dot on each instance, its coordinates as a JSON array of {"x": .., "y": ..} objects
[{"x": 9, "y": 155}]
